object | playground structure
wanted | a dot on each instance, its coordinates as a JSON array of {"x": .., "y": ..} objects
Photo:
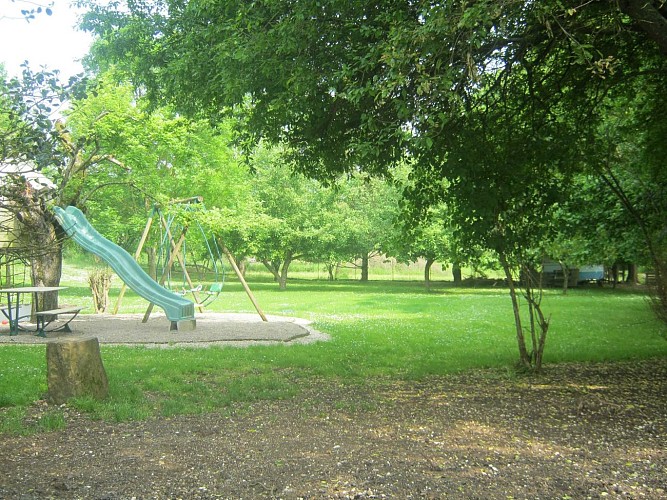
[
  {"x": 173, "y": 252},
  {"x": 169, "y": 244},
  {"x": 178, "y": 310},
  {"x": 14, "y": 266}
]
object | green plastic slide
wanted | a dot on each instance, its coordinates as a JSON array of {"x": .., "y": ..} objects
[{"x": 80, "y": 230}]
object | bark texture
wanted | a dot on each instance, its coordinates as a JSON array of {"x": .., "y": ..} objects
[
  {"x": 649, "y": 16},
  {"x": 100, "y": 282},
  {"x": 74, "y": 368}
]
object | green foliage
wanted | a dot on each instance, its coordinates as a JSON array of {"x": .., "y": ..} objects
[
  {"x": 519, "y": 88},
  {"x": 371, "y": 208},
  {"x": 592, "y": 226},
  {"x": 291, "y": 217},
  {"x": 26, "y": 108},
  {"x": 498, "y": 104},
  {"x": 287, "y": 228},
  {"x": 341, "y": 81},
  {"x": 147, "y": 157}
]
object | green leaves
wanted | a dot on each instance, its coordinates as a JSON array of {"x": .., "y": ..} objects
[{"x": 27, "y": 105}]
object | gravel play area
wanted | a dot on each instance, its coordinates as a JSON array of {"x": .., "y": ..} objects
[{"x": 211, "y": 329}]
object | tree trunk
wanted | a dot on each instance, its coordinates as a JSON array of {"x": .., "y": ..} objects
[
  {"x": 544, "y": 328},
  {"x": 42, "y": 238},
  {"x": 427, "y": 272},
  {"x": 364, "y": 267},
  {"x": 330, "y": 271},
  {"x": 282, "y": 281},
  {"x": 457, "y": 274},
  {"x": 100, "y": 282},
  {"x": 274, "y": 269},
  {"x": 74, "y": 368},
  {"x": 524, "y": 358},
  {"x": 539, "y": 325},
  {"x": 614, "y": 274},
  {"x": 242, "y": 265},
  {"x": 648, "y": 17},
  {"x": 566, "y": 276},
  {"x": 633, "y": 274},
  {"x": 46, "y": 271},
  {"x": 278, "y": 269}
]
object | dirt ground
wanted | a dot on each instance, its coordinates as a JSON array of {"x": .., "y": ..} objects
[{"x": 577, "y": 431}]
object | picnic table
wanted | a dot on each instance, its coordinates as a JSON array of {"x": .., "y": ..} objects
[{"x": 43, "y": 318}]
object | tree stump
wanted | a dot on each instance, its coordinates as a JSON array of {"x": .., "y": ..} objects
[{"x": 74, "y": 368}]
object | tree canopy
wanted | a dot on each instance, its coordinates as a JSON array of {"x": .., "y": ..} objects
[
  {"x": 349, "y": 83},
  {"x": 506, "y": 100}
]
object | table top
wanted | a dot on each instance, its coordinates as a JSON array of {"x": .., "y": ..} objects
[{"x": 32, "y": 289}]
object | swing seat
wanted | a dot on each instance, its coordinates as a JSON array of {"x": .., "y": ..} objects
[
  {"x": 184, "y": 291},
  {"x": 210, "y": 295}
]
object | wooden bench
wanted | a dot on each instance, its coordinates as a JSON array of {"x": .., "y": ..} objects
[{"x": 45, "y": 318}]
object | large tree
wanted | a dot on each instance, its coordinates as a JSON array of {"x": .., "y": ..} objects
[
  {"x": 371, "y": 204},
  {"x": 430, "y": 237},
  {"x": 30, "y": 136},
  {"x": 504, "y": 99},
  {"x": 342, "y": 80},
  {"x": 158, "y": 157},
  {"x": 286, "y": 229}
]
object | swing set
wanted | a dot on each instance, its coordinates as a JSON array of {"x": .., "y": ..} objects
[
  {"x": 167, "y": 245},
  {"x": 174, "y": 249}
]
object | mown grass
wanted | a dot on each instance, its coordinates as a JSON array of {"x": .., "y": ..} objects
[{"x": 380, "y": 330}]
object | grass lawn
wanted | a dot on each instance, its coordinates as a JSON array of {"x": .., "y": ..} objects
[{"x": 379, "y": 330}]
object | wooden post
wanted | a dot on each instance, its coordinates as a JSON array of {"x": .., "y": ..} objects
[
  {"x": 232, "y": 262},
  {"x": 144, "y": 237}
]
